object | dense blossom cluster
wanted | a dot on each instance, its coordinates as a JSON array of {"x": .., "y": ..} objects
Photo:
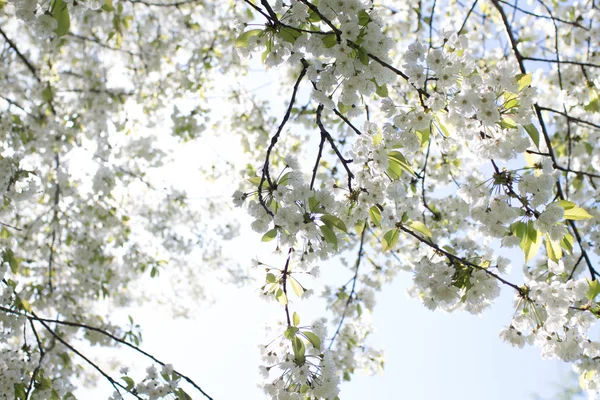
[
  {"x": 436, "y": 115},
  {"x": 85, "y": 217},
  {"x": 418, "y": 139}
]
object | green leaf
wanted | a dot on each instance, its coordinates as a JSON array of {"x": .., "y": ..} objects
[
  {"x": 397, "y": 163},
  {"x": 533, "y": 134},
  {"x": 511, "y": 103},
  {"x": 130, "y": 382},
  {"x": 363, "y": 18},
  {"x": 263, "y": 56},
  {"x": 296, "y": 286},
  {"x": 182, "y": 395},
  {"x": 524, "y": 81},
  {"x": 23, "y": 304},
  {"x": 553, "y": 249},
  {"x": 508, "y": 123},
  {"x": 271, "y": 278},
  {"x": 375, "y": 215},
  {"x": 244, "y": 39},
  {"x": 284, "y": 179},
  {"x": 390, "y": 239},
  {"x": 572, "y": 211},
  {"x": 8, "y": 256},
  {"x": 577, "y": 214},
  {"x": 47, "y": 93},
  {"x": 359, "y": 227},
  {"x": 289, "y": 35},
  {"x": 593, "y": 106},
  {"x": 532, "y": 242},
  {"x": 329, "y": 235},
  {"x": 377, "y": 138},
  {"x": 381, "y": 91},
  {"x": 255, "y": 180},
  {"x": 270, "y": 235},
  {"x": 20, "y": 391},
  {"x": 421, "y": 228},
  {"x": 329, "y": 41},
  {"x": 108, "y": 6},
  {"x": 519, "y": 229},
  {"x": 567, "y": 205},
  {"x": 343, "y": 108},
  {"x": 363, "y": 56},
  {"x": 424, "y": 137},
  {"x": 299, "y": 349},
  {"x": 290, "y": 332},
  {"x": 332, "y": 220},
  {"x": 60, "y": 12},
  {"x": 567, "y": 243},
  {"x": 313, "y": 204},
  {"x": 281, "y": 297},
  {"x": 313, "y": 16},
  {"x": 313, "y": 339},
  {"x": 296, "y": 319},
  {"x": 593, "y": 290}
]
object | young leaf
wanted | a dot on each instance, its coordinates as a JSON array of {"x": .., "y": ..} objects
[
  {"x": 381, "y": 91},
  {"x": 359, "y": 227},
  {"x": 130, "y": 382},
  {"x": 390, "y": 239},
  {"x": 532, "y": 242},
  {"x": 8, "y": 256},
  {"x": 567, "y": 243},
  {"x": 271, "y": 278},
  {"x": 533, "y": 134},
  {"x": 313, "y": 204},
  {"x": 289, "y": 35},
  {"x": 567, "y": 205},
  {"x": 375, "y": 215},
  {"x": 508, "y": 123},
  {"x": 329, "y": 235},
  {"x": 299, "y": 349},
  {"x": 329, "y": 41},
  {"x": 396, "y": 163},
  {"x": 313, "y": 16},
  {"x": 270, "y": 235},
  {"x": 20, "y": 391},
  {"x": 332, "y": 220},
  {"x": 553, "y": 249},
  {"x": 244, "y": 38},
  {"x": 283, "y": 180},
  {"x": 290, "y": 332},
  {"x": 281, "y": 297},
  {"x": 576, "y": 214},
  {"x": 342, "y": 107},
  {"x": 296, "y": 286},
  {"x": 573, "y": 212},
  {"x": 524, "y": 81},
  {"x": 23, "y": 304},
  {"x": 182, "y": 395},
  {"x": 60, "y": 12},
  {"x": 363, "y": 18},
  {"x": 421, "y": 228},
  {"x": 255, "y": 180},
  {"x": 363, "y": 56},
  {"x": 593, "y": 290},
  {"x": 296, "y": 319},
  {"x": 313, "y": 339}
]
